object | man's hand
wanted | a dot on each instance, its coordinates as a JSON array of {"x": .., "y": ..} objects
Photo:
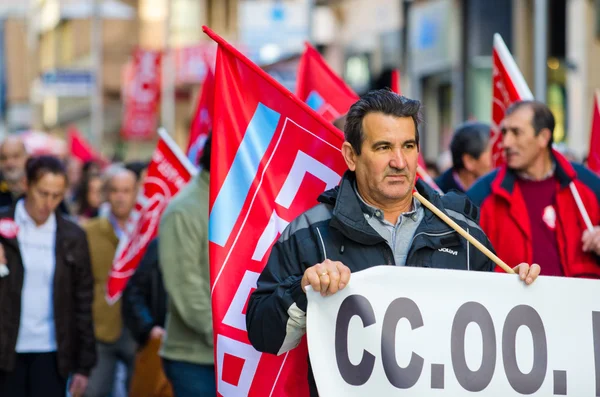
[
  {"x": 327, "y": 277},
  {"x": 527, "y": 273},
  {"x": 157, "y": 332},
  {"x": 591, "y": 240},
  {"x": 78, "y": 385}
]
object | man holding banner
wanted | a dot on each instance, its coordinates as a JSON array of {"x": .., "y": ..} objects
[
  {"x": 538, "y": 207},
  {"x": 370, "y": 219}
]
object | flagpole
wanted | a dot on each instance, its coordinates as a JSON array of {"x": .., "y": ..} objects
[
  {"x": 96, "y": 102},
  {"x": 168, "y": 76},
  {"x": 484, "y": 250},
  {"x": 541, "y": 48}
]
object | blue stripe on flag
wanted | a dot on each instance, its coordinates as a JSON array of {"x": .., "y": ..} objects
[
  {"x": 232, "y": 196},
  {"x": 314, "y": 100}
]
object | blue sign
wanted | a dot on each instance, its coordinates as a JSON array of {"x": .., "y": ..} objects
[
  {"x": 68, "y": 76},
  {"x": 67, "y": 83}
]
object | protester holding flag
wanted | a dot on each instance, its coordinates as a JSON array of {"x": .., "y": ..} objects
[
  {"x": 370, "y": 219},
  {"x": 46, "y": 287},
  {"x": 471, "y": 157},
  {"x": 539, "y": 207},
  {"x": 114, "y": 341},
  {"x": 187, "y": 349}
]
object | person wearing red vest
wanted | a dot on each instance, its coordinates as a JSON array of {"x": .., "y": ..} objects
[{"x": 528, "y": 207}]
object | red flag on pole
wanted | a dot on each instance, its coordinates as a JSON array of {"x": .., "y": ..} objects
[
  {"x": 141, "y": 95},
  {"x": 508, "y": 86},
  {"x": 322, "y": 89},
  {"x": 202, "y": 122},
  {"x": 168, "y": 172},
  {"x": 594, "y": 155},
  {"x": 395, "y": 86},
  {"x": 80, "y": 148},
  {"x": 271, "y": 157}
]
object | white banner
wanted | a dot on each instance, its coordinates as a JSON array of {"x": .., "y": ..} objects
[{"x": 424, "y": 332}]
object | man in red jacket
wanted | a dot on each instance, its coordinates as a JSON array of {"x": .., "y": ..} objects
[{"x": 528, "y": 206}]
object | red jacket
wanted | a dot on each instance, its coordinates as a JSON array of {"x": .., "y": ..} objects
[{"x": 505, "y": 220}]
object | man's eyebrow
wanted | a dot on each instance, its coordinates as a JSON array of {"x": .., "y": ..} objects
[{"x": 381, "y": 143}]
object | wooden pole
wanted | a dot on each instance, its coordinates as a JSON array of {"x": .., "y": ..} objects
[{"x": 463, "y": 233}]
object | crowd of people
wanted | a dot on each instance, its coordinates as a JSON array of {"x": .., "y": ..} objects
[{"x": 60, "y": 226}]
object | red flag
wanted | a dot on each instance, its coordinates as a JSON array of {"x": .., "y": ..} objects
[
  {"x": 508, "y": 86},
  {"x": 322, "y": 89},
  {"x": 142, "y": 95},
  {"x": 80, "y": 148},
  {"x": 168, "y": 172},
  {"x": 396, "y": 82},
  {"x": 202, "y": 122},
  {"x": 423, "y": 174},
  {"x": 594, "y": 155},
  {"x": 272, "y": 157}
]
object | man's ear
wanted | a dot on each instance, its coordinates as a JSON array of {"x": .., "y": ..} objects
[
  {"x": 545, "y": 134},
  {"x": 349, "y": 156},
  {"x": 468, "y": 162}
]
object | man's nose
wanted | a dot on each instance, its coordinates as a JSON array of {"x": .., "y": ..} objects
[
  {"x": 507, "y": 139},
  {"x": 398, "y": 160}
]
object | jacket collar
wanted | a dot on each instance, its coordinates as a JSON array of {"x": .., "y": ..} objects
[
  {"x": 349, "y": 219},
  {"x": 447, "y": 181},
  {"x": 62, "y": 229},
  {"x": 504, "y": 183}
]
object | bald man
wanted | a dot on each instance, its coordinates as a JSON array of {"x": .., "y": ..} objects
[
  {"x": 13, "y": 156},
  {"x": 114, "y": 342}
]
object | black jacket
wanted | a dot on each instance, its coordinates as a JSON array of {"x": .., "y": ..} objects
[
  {"x": 144, "y": 298},
  {"x": 447, "y": 183},
  {"x": 73, "y": 294},
  {"x": 337, "y": 229}
]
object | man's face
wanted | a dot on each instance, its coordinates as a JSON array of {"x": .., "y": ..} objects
[
  {"x": 121, "y": 194},
  {"x": 386, "y": 168},
  {"x": 521, "y": 145},
  {"x": 44, "y": 196},
  {"x": 12, "y": 160}
]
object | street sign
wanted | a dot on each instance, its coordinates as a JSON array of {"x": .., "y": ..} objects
[{"x": 65, "y": 83}]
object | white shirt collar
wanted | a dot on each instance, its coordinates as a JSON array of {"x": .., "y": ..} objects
[{"x": 23, "y": 218}]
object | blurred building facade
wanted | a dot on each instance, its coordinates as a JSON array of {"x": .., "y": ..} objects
[
  {"x": 441, "y": 47},
  {"x": 61, "y": 46}
]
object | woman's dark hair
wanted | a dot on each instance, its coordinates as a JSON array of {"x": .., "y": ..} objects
[
  {"x": 91, "y": 167},
  {"x": 379, "y": 101},
  {"x": 82, "y": 204},
  {"x": 37, "y": 167}
]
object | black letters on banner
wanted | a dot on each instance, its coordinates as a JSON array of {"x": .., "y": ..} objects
[
  {"x": 402, "y": 378},
  {"x": 354, "y": 305},
  {"x": 527, "y": 316},
  {"x": 596, "y": 332},
  {"x": 474, "y": 381}
]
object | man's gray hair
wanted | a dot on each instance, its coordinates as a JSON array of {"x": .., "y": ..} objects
[{"x": 112, "y": 171}]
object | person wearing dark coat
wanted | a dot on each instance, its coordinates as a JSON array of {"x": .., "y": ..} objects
[{"x": 144, "y": 299}]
